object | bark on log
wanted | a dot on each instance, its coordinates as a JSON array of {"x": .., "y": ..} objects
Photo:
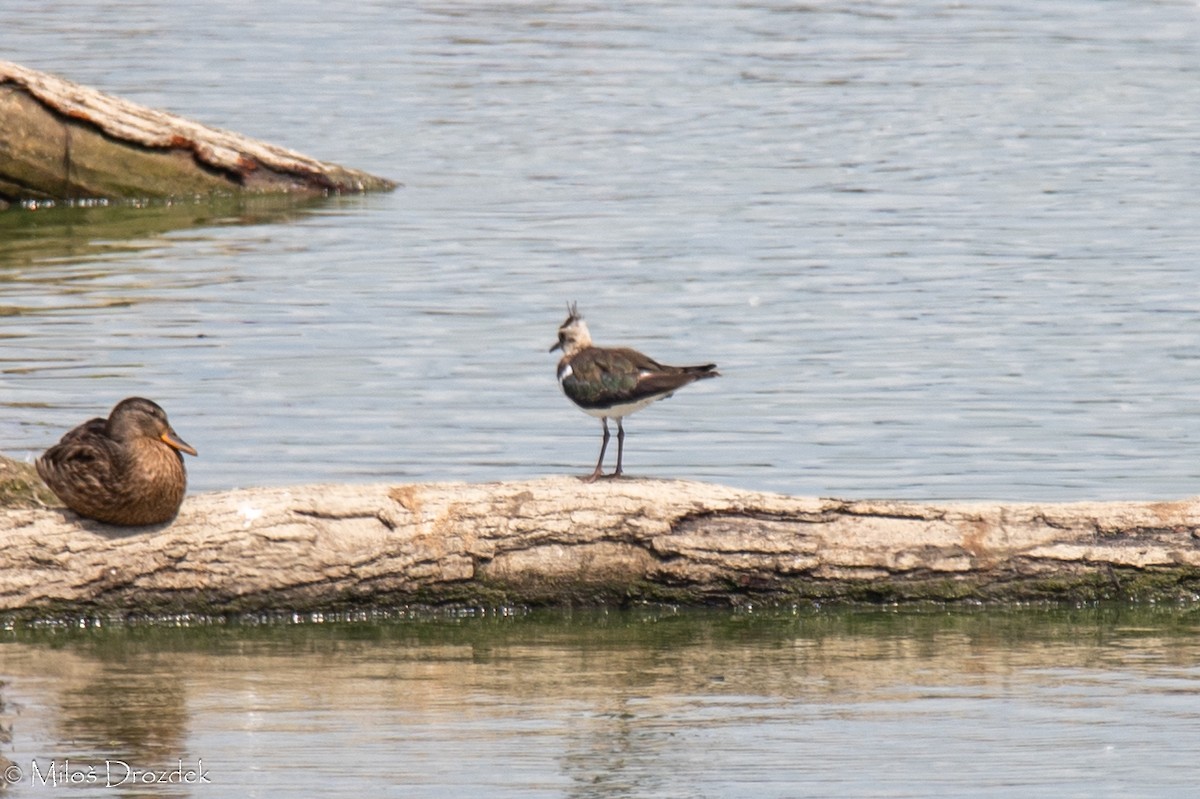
[
  {"x": 63, "y": 141},
  {"x": 558, "y": 540}
]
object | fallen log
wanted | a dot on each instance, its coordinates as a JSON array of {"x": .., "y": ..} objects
[
  {"x": 557, "y": 540},
  {"x": 63, "y": 141}
]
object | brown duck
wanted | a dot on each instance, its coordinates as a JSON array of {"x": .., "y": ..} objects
[{"x": 126, "y": 469}]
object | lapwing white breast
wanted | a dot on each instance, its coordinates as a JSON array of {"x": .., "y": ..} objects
[{"x": 613, "y": 382}]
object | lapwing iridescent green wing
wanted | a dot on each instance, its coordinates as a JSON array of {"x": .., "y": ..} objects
[{"x": 613, "y": 382}]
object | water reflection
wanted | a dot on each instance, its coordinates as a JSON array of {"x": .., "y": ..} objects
[
  {"x": 631, "y": 704},
  {"x": 138, "y": 718},
  {"x": 103, "y": 232}
]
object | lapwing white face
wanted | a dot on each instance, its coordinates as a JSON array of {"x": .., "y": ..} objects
[{"x": 573, "y": 336}]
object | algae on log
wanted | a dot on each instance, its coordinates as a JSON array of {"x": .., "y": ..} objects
[
  {"x": 63, "y": 141},
  {"x": 21, "y": 487},
  {"x": 558, "y": 540}
]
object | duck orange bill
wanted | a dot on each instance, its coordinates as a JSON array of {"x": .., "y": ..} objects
[{"x": 178, "y": 443}]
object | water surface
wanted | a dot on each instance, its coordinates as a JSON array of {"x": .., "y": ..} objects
[
  {"x": 1097, "y": 702},
  {"x": 938, "y": 251}
]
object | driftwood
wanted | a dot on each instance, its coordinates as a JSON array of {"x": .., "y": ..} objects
[
  {"x": 561, "y": 541},
  {"x": 63, "y": 141}
]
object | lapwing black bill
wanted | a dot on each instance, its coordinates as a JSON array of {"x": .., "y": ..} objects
[{"x": 613, "y": 382}]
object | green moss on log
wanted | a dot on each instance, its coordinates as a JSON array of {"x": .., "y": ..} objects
[{"x": 20, "y": 486}]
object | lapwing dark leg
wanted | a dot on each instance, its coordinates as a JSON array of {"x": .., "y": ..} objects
[
  {"x": 591, "y": 478},
  {"x": 620, "y": 447}
]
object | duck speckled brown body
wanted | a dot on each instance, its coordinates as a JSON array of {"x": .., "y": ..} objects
[{"x": 126, "y": 469}]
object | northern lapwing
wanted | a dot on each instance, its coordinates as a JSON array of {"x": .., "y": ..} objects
[{"x": 613, "y": 382}]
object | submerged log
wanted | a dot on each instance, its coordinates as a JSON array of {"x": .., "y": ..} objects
[
  {"x": 558, "y": 540},
  {"x": 63, "y": 141}
]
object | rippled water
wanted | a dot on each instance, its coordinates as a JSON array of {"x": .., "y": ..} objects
[
  {"x": 938, "y": 251},
  {"x": 1080, "y": 703}
]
